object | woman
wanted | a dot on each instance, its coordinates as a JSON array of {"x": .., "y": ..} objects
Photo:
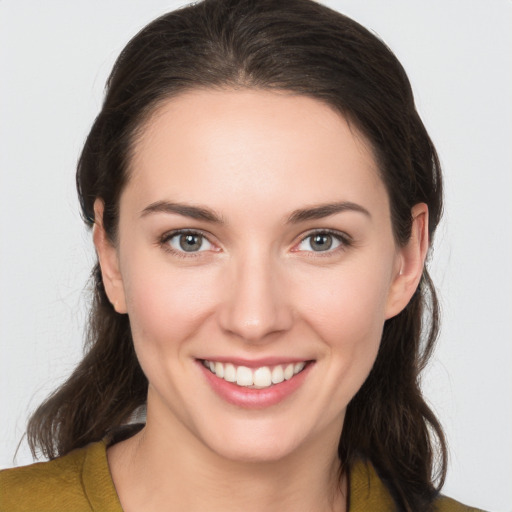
[{"x": 263, "y": 195}]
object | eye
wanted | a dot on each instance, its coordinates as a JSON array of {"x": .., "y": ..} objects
[
  {"x": 322, "y": 241},
  {"x": 188, "y": 241}
]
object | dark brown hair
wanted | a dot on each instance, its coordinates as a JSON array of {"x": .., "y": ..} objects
[{"x": 287, "y": 45}]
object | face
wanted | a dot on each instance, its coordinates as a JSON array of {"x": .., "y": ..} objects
[{"x": 257, "y": 264}]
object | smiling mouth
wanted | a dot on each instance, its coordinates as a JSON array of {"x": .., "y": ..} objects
[{"x": 254, "y": 378}]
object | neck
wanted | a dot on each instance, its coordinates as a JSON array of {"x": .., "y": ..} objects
[{"x": 157, "y": 471}]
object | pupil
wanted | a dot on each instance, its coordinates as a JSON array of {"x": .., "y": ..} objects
[
  {"x": 190, "y": 243},
  {"x": 321, "y": 242}
]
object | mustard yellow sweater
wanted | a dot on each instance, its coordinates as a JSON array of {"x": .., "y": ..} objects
[{"x": 81, "y": 482}]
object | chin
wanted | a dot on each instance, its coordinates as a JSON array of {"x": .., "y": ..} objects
[
  {"x": 265, "y": 451},
  {"x": 256, "y": 441}
]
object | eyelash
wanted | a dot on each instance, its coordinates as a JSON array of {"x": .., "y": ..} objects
[
  {"x": 345, "y": 241},
  {"x": 167, "y": 237}
]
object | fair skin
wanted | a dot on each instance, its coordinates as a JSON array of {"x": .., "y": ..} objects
[{"x": 261, "y": 276}]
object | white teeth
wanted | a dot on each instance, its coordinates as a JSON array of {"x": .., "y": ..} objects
[
  {"x": 244, "y": 376},
  {"x": 298, "y": 367},
  {"x": 277, "y": 375},
  {"x": 219, "y": 370},
  {"x": 288, "y": 372},
  {"x": 229, "y": 372},
  {"x": 262, "y": 377}
]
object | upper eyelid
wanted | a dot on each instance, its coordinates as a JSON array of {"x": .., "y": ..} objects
[
  {"x": 168, "y": 235},
  {"x": 343, "y": 238},
  {"x": 173, "y": 232},
  {"x": 341, "y": 235},
  {"x": 164, "y": 242},
  {"x": 319, "y": 231}
]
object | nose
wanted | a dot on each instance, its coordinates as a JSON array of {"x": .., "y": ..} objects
[{"x": 255, "y": 305}]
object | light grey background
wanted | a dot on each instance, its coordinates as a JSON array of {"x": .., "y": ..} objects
[{"x": 54, "y": 59}]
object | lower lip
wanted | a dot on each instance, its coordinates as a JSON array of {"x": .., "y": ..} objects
[{"x": 249, "y": 398}]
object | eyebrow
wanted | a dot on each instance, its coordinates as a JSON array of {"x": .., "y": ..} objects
[
  {"x": 192, "y": 212},
  {"x": 325, "y": 210},
  {"x": 301, "y": 215}
]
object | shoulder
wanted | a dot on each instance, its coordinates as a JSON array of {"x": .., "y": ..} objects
[
  {"x": 367, "y": 491},
  {"x": 72, "y": 482},
  {"x": 37, "y": 486},
  {"x": 444, "y": 504}
]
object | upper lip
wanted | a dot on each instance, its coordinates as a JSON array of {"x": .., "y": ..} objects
[{"x": 256, "y": 363}]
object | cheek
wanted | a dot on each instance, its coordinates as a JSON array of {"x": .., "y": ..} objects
[
  {"x": 348, "y": 305},
  {"x": 165, "y": 304},
  {"x": 347, "y": 313}
]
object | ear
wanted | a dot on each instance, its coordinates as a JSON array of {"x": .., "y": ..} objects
[
  {"x": 109, "y": 261},
  {"x": 410, "y": 262}
]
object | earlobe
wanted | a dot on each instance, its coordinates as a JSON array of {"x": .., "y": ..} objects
[
  {"x": 108, "y": 260},
  {"x": 411, "y": 261}
]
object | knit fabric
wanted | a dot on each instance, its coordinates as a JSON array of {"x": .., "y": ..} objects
[{"x": 81, "y": 482}]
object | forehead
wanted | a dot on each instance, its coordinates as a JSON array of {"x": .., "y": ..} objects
[{"x": 254, "y": 147}]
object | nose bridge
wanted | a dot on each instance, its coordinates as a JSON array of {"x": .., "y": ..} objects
[{"x": 255, "y": 304}]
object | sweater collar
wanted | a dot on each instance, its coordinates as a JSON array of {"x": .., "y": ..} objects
[{"x": 366, "y": 489}]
